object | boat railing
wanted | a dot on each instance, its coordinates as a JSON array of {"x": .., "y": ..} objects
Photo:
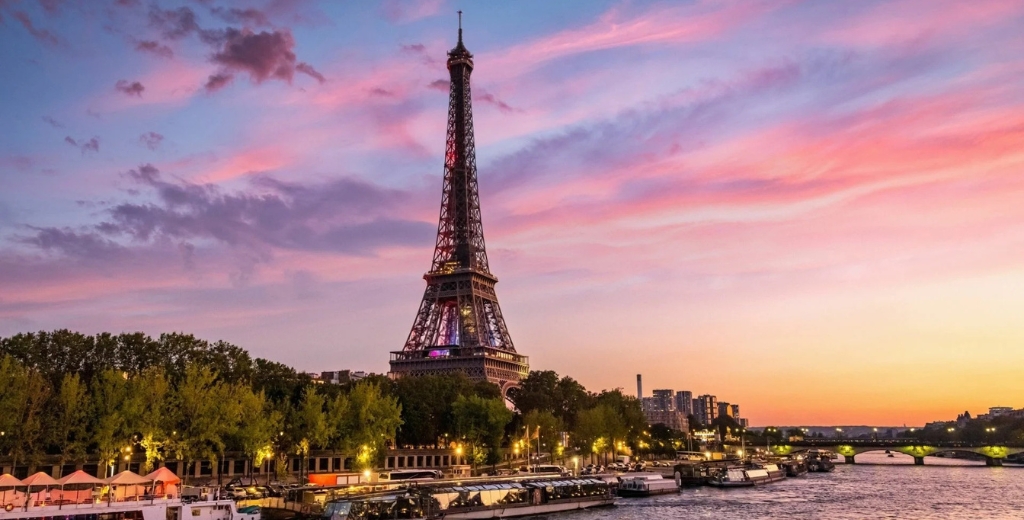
[{"x": 16, "y": 502}]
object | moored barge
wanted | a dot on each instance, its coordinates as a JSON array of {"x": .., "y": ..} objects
[{"x": 501, "y": 499}]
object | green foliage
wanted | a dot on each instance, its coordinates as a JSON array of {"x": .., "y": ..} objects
[
  {"x": 480, "y": 422},
  {"x": 549, "y": 428},
  {"x": 545, "y": 391},
  {"x": 427, "y": 405},
  {"x": 373, "y": 419},
  {"x": 23, "y": 395},
  {"x": 259, "y": 425},
  {"x": 68, "y": 430},
  {"x": 205, "y": 412}
]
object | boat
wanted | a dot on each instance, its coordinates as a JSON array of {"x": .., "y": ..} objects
[
  {"x": 819, "y": 461},
  {"x": 696, "y": 473},
  {"x": 88, "y": 500},
  {"x": 736, "y": 477},
  {"x": 495, "y": 499},
  {"x": 775, "y": 473},
  {"x": 794, "y": 467},
  {"x": 645, "y": 485}
]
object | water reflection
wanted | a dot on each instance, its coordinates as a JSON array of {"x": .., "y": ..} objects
[{"x": 880, "y": 487}]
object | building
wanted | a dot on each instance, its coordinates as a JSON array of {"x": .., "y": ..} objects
[
  {"x": 459, "y": 326},
  {"x": 663, "y": 401},
  {"x": 339, "y": 377},
  {"x": 705, "y": 408},
  {"x": 684, "y": 402},
  {"x": 725, "y": 410},
  {"x": 736, "y": 411},
  {"x": 670, "y": 418}
]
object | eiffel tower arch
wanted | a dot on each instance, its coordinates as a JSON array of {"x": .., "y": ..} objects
[{"x": 459, "y": 326}]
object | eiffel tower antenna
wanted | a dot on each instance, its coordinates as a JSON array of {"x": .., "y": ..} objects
[{"x": 459, "y": 326}]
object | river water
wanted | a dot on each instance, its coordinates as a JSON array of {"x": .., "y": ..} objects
[{"x": 876, "y": 487}]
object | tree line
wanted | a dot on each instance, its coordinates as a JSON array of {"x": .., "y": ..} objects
[
  {"x": 107, "y": 396},
  {"x": 99, "y": 397}
]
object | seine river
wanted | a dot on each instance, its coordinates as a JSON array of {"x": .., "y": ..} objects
[{"x": 876, "y": 487}]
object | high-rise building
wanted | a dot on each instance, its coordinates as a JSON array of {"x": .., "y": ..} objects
[
  {"x": 459, "y": 326},
  {"x": 639, "y": 387},
  {"x": 736, "y": 412},
  {"x": 663, "y": 400},
  {"x": 684, "y": 402},
  {"x": 705, "y": 408},
  {"x": 725, "y": 410}
]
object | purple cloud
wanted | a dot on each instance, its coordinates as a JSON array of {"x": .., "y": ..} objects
[
  {"x": 308, "y": 70},
  {"x": 439, "y": 84},
  {"x": 53, "y": 122},
  {"x": 92, "y": 145},
  {"x": 490, "y": 99},
  {"x": 40, "y": 34},
  {"x": 133, "y": 88},
  {"x": 341, "y": 215},
  {"x": 154, "y": 47},
  {"x": 174, "y": 24},
  {"x": 263, "y": 56},
  {"x": 151, "y": 140},
  {"x": 83, "y": 245},
  {"x": 218, "y": 81}
]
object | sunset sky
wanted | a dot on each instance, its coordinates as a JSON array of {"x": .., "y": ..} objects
[{"x": 812, "y": 209}]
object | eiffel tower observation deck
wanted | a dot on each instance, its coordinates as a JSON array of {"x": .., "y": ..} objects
[{"x": 459, "y": 326}]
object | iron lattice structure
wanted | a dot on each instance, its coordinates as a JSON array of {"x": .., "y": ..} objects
[{"x": 459, "y": 326}]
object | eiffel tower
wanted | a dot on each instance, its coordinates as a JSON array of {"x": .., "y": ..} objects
[{"x": 459, "y": 326}]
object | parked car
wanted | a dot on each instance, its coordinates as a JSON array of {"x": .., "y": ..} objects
[{"x": 235, "y": 493}]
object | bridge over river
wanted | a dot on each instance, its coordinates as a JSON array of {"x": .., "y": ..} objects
[{"x": 849, "y": 448}]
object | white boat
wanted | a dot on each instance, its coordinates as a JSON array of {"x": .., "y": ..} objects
[
  {"x": 150, "y": 508},
  {"x": 645, "y": 485},
  {"x": 495, "y": 499},
  {"x": 123, "y": 496}
]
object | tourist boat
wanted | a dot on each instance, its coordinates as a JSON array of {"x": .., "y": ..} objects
[
  {"x": 736, "y": 477},
  {"x": 497, "y": 499},
  {"x": 697, "y": 473},
  {"x": 794, "y": 467},
  {"x": 121, "y": 497},
  {"x": 819, "y": 461},
  {"x": 645, "y": 485},
  {"x": 775, "y": 473}
]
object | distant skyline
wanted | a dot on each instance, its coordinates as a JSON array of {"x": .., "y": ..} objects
[{"x": 812, "y": 209}]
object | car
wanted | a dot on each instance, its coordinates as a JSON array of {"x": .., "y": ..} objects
[{"x": 235, "y": 493}]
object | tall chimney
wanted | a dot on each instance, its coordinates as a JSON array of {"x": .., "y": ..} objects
[{"x": 639, "y": 388}]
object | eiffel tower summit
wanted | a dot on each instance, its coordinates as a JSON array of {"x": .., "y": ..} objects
[{"x": 459, "y": 326}]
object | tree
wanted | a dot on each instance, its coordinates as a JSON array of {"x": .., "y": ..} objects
[
  {"x": 544, "y": 391},
  {"x": 205, "y": 412},
  {"x": 260, "y": 424},
  {"x": 547, "y": 425},
  {"x": 150, "y": 390},
  {"x": 23, "y": 395},
  {"x": 310, "y": 424},
  {"x": 112, "y": 412},
  {"x": 480, "y": 422},
  {"x": 725, "y": 424},
  {"x": 69, "y": 425},
  {"x": 373, "y": 421}
]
